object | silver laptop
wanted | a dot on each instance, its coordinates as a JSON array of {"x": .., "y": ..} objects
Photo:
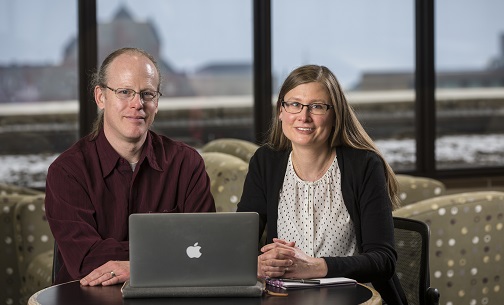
[{"x": 193, "y": 249}]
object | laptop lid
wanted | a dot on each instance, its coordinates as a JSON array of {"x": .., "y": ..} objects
[{"x": 193, "y": 249}]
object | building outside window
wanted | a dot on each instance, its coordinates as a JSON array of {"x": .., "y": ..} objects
[{"x": 205, "y": 50}]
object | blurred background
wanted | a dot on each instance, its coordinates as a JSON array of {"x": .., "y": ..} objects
[{"x": 206, "y": 51}]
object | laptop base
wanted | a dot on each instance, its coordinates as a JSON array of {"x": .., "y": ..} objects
[{"x": 217, "y": 291}]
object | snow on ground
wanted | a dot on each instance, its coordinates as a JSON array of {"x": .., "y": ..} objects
[
  {"x": 466, "y": 151},
  {"x": 25, "y": 170}
]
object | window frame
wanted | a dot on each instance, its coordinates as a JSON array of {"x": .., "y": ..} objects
[{"x": 425, "y": 102}]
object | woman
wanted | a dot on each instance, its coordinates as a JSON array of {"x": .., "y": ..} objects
[{"x": 322, "y": 190}]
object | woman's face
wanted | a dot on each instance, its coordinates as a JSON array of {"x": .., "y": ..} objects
[{"x": 305, "y": 129}]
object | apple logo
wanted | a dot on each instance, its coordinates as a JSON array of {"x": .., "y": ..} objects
[{"x": 193, "y": 251}]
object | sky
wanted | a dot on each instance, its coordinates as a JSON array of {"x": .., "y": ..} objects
[{"x": 347, "y": 36}]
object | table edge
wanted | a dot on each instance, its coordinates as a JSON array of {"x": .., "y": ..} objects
[{"x": 375, "y": 297}]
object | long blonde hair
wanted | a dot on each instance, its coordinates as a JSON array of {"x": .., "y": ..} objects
[{"x": 347, "y": 131}]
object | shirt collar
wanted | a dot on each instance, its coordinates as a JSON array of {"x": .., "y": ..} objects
[
  {"x": 109, "y": 158},
  {"x": 152, "y": 144}
]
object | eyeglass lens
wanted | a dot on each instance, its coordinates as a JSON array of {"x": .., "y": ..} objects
[
  {"x": 128, "y": 94},
  {"x": 295, "y": 107}
]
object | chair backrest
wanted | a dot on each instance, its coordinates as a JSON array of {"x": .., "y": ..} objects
[
  {"x": 9, "y": 189},
  {"x": 227, "y": 174},
  {"x": 466, "y": 245},
  {"x": 413, "y": 189},
  {"x": 236, "y": 147},
  {"x": 412, "y": 267}
]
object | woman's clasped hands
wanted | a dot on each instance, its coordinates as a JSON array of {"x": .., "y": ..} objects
[{"x": 283, "y": 259}]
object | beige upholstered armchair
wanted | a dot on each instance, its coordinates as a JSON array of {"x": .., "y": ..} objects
[
  {"x": 227, "y": 174},
  {"x": 10, "y": 292},
  {"x": 34, "y": 245},
  {"x": 235, "y": 147},
  {"x": 466, "y": 245},
  {"x": 26, "y": 251},
  {"x": 413, "y": 189}
]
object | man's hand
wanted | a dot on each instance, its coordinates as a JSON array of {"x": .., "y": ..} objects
[{"x": 110, "y": 273}]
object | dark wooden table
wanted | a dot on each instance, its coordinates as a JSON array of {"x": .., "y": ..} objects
[{"x": 73, "y": 293}]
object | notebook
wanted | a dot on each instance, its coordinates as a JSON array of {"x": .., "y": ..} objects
[
  {"x": 193, "y": 249},
  {"x": 310, "y": 283}
]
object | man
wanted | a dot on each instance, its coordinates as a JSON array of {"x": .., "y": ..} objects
[{"x": 121, "y": 168}]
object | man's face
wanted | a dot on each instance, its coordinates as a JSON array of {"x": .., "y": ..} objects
[{"x": 128, "y": 120}]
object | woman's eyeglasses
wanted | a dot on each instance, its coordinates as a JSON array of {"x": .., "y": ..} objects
[{"x": 315, "y": 108}]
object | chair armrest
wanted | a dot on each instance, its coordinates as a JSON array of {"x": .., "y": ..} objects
[
  {"x": 432, "y": 296},
  {"x": 38, "y": 275}
]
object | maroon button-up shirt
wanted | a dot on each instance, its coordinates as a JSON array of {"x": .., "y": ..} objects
[{"x": 91, "y": 190}]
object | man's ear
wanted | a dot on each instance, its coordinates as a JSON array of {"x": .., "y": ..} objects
[{"x": 99, "y": 96}]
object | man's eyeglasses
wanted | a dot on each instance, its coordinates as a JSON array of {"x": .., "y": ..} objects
[
  {"x": 315, "y": 108},
  {"x": 125, "y": 94}
]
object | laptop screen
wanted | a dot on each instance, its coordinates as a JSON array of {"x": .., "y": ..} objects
[{"x": 193, "y": 249}]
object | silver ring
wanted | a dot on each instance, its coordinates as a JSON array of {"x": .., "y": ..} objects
[{"x": 112, "y": 273}]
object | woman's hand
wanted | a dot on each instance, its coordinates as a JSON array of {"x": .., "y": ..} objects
[
  {"x": 275, "y": 259},
  {"x": 303, "y": 266},
  {"x": 110, "y": 273}
]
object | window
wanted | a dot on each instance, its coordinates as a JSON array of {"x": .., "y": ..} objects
[
  {"x": 369, "y": 46},
  {"x": 205, "y": 47},
  {"x": 205, "y": 53},
  {"x": 38, "y": 87},
  {"x": 470, "y": 84}
]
